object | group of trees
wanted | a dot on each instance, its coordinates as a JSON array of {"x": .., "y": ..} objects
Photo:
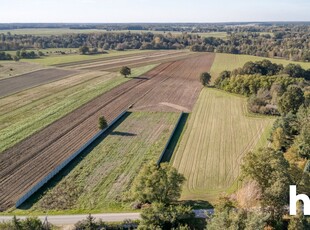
[
  {"x": 262, "y": 200},
  {"x": 30, "y": 223},
  {"x": 5, "y": 56},
  {"x": 156, "y": 189},
  {"x": 103, "y": 41},
  {"x": 291, "y": 133},
  {"x": 283, "y": 41},
  {"x": 268, "y": 172},
  {"x": 287, "y": 44},
  {"x": 20, "y": 54},
  {"x": 273, "y": 89},
  {"x": 266, "y": 175}
]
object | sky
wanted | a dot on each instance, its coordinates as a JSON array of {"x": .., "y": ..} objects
[{"x": 109, "y": 11}]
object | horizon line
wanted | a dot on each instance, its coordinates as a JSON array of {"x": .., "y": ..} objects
[{"x": 218, "y": 22}]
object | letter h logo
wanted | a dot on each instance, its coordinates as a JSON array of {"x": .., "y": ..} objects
[{"x": 294, "y": 198}]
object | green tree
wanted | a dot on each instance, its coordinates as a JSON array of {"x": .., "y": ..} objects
[
  {"x": 228, "y": 217},
  {"x": 278, "y": 139},
  {"x": 16, "y": 224},
  {"x": 32, "y": 223},
  {"x": 205, "y": 78},
  {"x": 16, "y": 58},
  {"x": 125, "y": 71},
  {"x": 303, "y": 142},
  {"x": 161, "y": 216},
  {"x": 299, "y": 222},
  {"x": 155, "y": 183},
  {"x": 295, "y": 71},
  {"x": 103, "y": 123},
  {"x": 290, "y": 126},
  {"x": 270, "y": 170},
  {"x": 291, "y": 100},
  {"x": 84, "y": 49}
]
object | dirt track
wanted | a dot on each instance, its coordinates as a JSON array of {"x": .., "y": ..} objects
[
  {"x": 29, "y": 80},
  {"x": 166, "y": 88}
]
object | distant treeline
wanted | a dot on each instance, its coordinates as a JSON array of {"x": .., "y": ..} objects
[
  {"x": 188, "y": 27},
  {"x": 287, "y": 44},
  {"x": 275, "y": 41}
]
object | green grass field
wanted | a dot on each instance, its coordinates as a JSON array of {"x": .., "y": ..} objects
[
  {"x": 218, "y": 134},
  {"x": 232, "y": 61},
  {"x": 38, "y": 107},
  {"x": 98, "y": 182},
  {"x": 61, "y": 59}
]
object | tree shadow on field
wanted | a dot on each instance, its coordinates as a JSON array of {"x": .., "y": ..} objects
[
  {"x": 198, "y": 204},
  {"x": 140, "y": 78},
  {"x": 175, "y": 139},
  {"x": 64, "y": 172},
  {"x": 123, "y": 134}
]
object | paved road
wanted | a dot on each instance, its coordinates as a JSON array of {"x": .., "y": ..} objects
[{"x": 107, "y": 217}]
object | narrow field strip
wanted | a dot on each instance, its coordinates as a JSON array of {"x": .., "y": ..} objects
[
  {"x": 100, "y": 180},
  {"x": 71, "y": 58},
  {"x": 25, "y": 81},
  {"x": 37, "y": 114},
  {"x": 12, "y": 68},
  {"x": 135, "y": 61},
  {"x": 18, "y": 100},
  {"x": 217, "y": 136}
]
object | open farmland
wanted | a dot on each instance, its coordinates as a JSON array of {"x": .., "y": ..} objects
[
  {"x": 11, "y": 69},
  {"x": 99, "y": 181},
  {"x": 218, "y": 134},
  {"x": 29, "y": 80},
  {"x": 112, "y": 55},
  {"x": 21, "y": 165},
  {"x": 180, "y": 91},
  {"x": 57, "y": 59},
  {"x": 133, "y": 61},
  {"x": 26, "y": 112},
  {"x": 232, "y": 61}
]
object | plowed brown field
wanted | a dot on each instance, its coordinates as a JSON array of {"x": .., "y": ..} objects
[
  {"x": 170, "y": 86},
  {"x": 28, "y": 80}
]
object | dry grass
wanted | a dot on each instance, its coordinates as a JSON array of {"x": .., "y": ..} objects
[
  {"x": 12, "y": 69},
  {"x": 218, "y": 134},
  {"x": 100, "y": 180}
]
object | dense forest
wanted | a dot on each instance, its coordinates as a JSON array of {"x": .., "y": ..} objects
[{"x": 289, "y": 41}]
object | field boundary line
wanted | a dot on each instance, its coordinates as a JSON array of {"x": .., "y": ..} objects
[
  {"x": 169, "y": 140},
  {"x": 38, "y": 99},
  {"x": 66, "y": 162}
]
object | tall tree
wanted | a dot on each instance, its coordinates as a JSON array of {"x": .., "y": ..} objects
[
  {"x": 155, "y": 183},
  {"x": 291, "y": 100},
  {"x": 84, "y": 49},
  {"x": 125, "y": 71},
  {"x": 161, "y": 216},
  {"x": 205, "y": 78},
  {"x": 270, "y": 170},
  {"x": 102, "y": 123}
]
